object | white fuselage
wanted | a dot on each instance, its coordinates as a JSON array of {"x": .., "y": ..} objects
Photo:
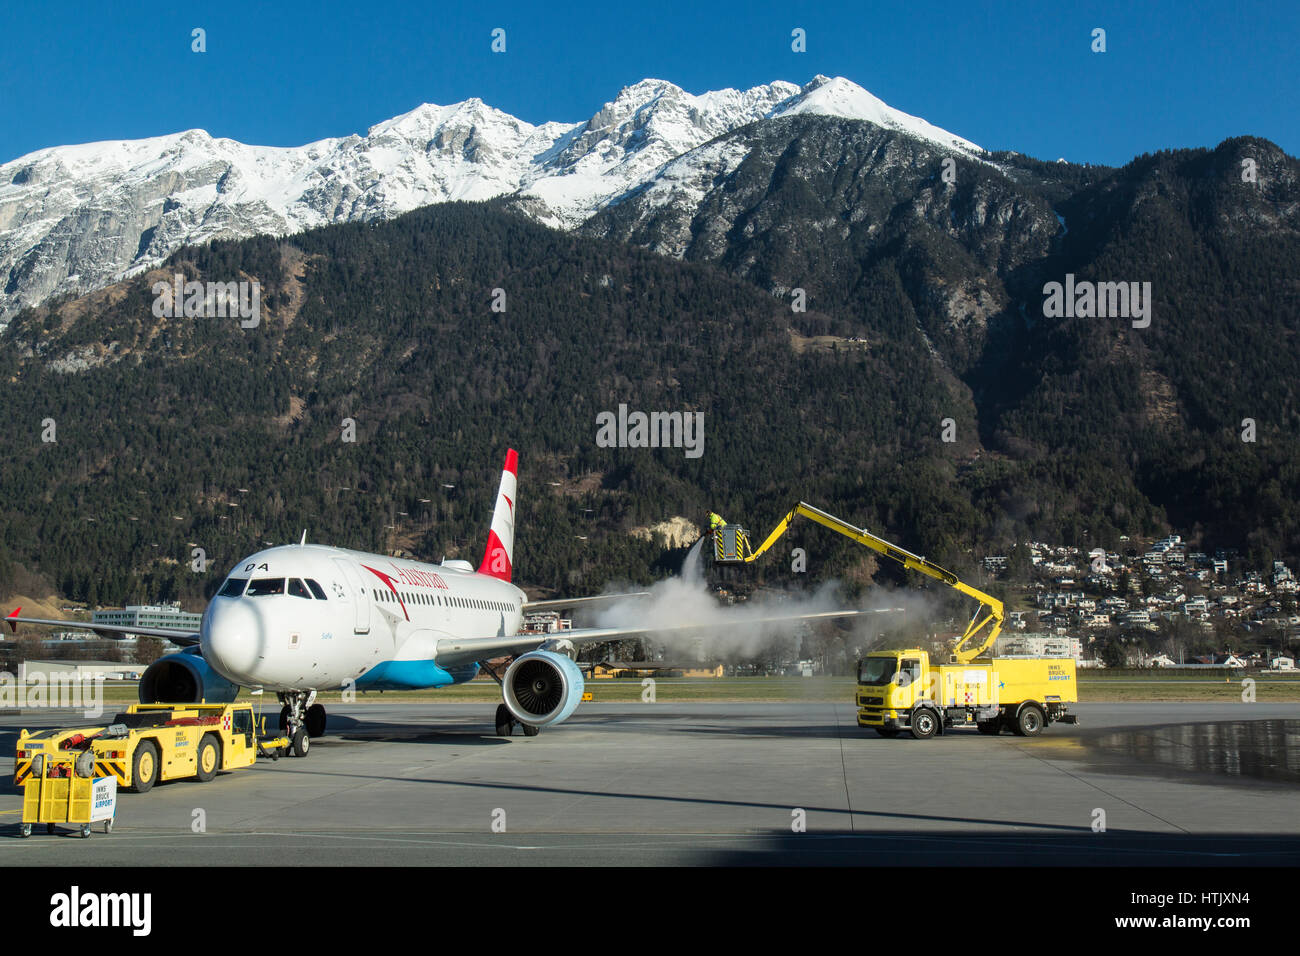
[{"x": 309, "y": 617}]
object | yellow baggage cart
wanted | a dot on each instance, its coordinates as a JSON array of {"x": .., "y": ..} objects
[{"x": 66, "y": 790}]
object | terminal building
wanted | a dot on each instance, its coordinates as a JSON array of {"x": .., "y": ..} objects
[
  {"x": 149, "y": 615},
  {"x": 48, "y": 671}
]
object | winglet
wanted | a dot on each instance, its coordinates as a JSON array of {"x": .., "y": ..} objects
[{"x": 498, "y": 556}]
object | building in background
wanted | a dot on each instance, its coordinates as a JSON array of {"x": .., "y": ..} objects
[
  {"x": 1037, "y": 645},
  {"x": 79, "y": 670},
  {"x": 149, "y": 615}
]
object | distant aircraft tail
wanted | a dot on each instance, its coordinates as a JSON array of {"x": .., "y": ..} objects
[{"x": 499, "y": 553}]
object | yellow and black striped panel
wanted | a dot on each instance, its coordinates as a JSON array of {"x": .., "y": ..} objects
[
  {"x": 22, "y": 769},
  {"x": 111, "y": 768}
]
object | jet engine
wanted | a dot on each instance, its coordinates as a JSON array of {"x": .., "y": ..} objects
[
  {"x": 185, "y": 678},
  {"x": 542, "y": 688}
]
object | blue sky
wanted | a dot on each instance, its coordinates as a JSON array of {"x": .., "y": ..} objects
[{"x": 1015, "y": 75}]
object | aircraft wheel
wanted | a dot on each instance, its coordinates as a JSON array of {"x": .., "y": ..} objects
[
  {"x": 301, "y": 743},
  {"x": 315, "y": 721},
  {"x": 505, "y": 721},
  {"x": 25, "y": 830},
  {"x": 284, "y": 717},
  {"x": 530, "y": 730}
]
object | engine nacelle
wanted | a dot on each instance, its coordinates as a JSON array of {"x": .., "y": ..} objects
[
  {"x": 185, "y": 678},
  {"x": 542, "y": 688}
]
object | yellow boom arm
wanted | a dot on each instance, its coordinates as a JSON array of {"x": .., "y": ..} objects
[{"x": 983, "y": 628}]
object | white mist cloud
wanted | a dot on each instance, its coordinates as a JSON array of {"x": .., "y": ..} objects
[{"x": 745, "y": 629}]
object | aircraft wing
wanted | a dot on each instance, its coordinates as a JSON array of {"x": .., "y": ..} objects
[
  {"x": 179, "y": 636},
  {"x": 452, "y": 651},
  {"x": 560, "y": 604}
]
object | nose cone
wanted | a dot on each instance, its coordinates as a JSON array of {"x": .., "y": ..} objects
[{"x": 233, "y": 638}]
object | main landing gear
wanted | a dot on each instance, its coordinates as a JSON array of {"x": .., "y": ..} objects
[
  {"x": 506, "y": 723},
  {"x": 302, "y": 718}
]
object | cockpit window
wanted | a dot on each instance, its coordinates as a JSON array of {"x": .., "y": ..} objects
[
  {"x": 263, "y": 586},
  {"x": 317, "y": 590},
  {"x": 298, "y": 589},
  {"x": 233, "y": 587}
]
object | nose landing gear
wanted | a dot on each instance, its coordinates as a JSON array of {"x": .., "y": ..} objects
[{"x": 301, "y": 718}]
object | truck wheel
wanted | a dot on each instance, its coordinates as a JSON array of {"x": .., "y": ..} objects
[
  {"x": 301, "y": 743},
  {"x": 315, "y": 721},
  {"x": 85, "y": 830},
  {"x": 144, "y": 767},
  {"x": 1029, "y": 722},
  {"x": 890, "y": 732},
  {"x": 25, "y": 830},
  {"x": 209, "y": 759},
  {"x": 991, "y": 727},
  {"x": 505, "y": 721},
  {"x": 925, "y": 724}
]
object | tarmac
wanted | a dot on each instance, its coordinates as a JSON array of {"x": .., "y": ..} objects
[{"x": 1136, "y": 784}]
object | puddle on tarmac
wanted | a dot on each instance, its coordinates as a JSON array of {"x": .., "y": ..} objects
[{"x": 1243, "y": 749}]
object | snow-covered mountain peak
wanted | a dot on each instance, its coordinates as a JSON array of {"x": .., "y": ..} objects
[
  {"x": 75, "y": 218},
  {"x": 836, "y": 96}
]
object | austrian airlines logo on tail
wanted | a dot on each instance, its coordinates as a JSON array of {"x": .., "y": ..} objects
[{"x": 498, "y": 554}]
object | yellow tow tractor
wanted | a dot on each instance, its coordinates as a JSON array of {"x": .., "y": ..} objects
[
  {"x": 146, "y": 744},
  {"x": 905, "y": 690}
]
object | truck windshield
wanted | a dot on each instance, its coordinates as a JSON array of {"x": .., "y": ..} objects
[{"x": 877, "y": 670}]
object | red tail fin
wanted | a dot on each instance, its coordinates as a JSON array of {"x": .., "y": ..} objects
[{"x": 498, "y": 556}]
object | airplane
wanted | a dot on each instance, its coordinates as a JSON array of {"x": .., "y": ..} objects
[{"x": 303, "y": 618}]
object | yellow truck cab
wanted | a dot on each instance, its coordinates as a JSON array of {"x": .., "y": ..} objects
[{"x": 904, "y": 690}]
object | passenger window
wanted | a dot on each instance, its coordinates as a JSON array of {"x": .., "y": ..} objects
[
  {"x": 317, "y": 590},
  {"x": 298, "y": 589}
]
